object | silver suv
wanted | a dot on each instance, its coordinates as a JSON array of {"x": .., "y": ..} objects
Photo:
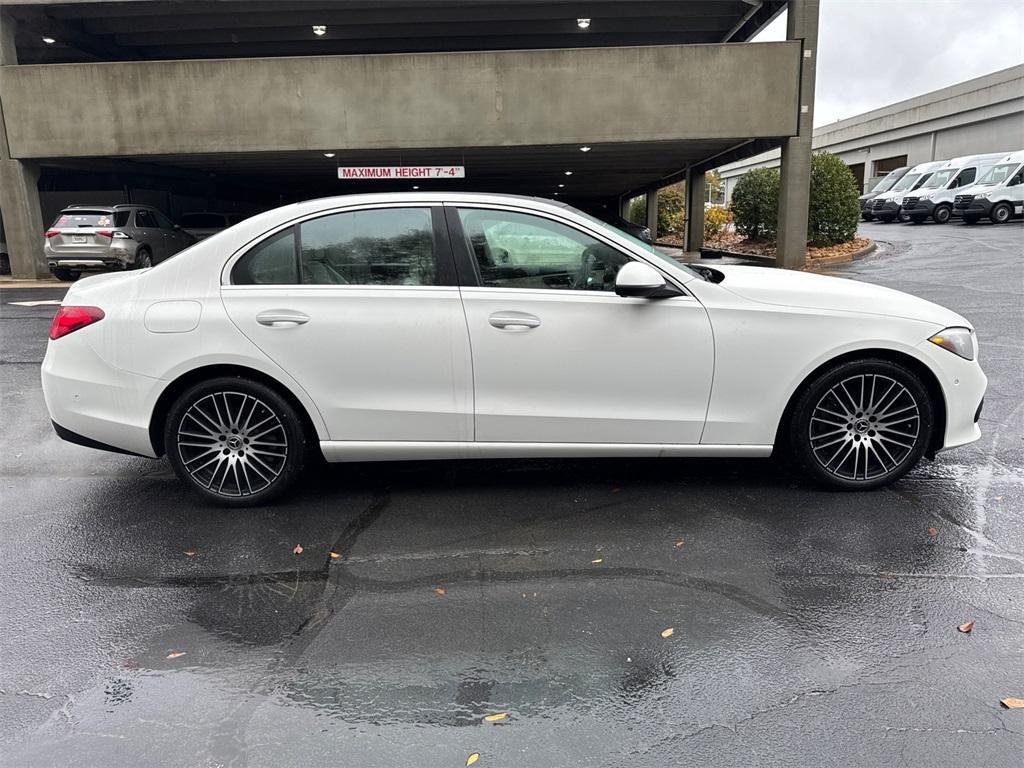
[{"x": 97, "y": 237}]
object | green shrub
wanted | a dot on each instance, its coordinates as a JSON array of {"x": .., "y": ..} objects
[
  {"x": 834, "y": 210},
  {"x": 716, "y": 219},
  {"x": 671, "y": 210},
  {"x": 755, "y": 203}
]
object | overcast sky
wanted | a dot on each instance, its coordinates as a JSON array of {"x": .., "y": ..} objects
[{"x": 876, "y": 52}]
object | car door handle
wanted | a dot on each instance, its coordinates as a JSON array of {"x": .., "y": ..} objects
[
  {"x": 514, "y": 321},
  {"x": 281, "y": 318}
]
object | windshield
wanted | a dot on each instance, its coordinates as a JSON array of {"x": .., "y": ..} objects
[
  {"x": 997, "y": 174},
  {"x": 939, "y": 178},
  {"x": 636, "y": 241},
  {"x": 886, "y": 184},
  {"x": 906, "y": 182}
]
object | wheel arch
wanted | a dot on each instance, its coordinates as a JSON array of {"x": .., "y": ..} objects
[
  {"x": 173, "y": 390},
  {"x": 922, "y": 370}
]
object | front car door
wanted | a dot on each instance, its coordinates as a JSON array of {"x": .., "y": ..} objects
[
  {"x": 558, "y": 357},
  {"x": 362, "y": 308}
]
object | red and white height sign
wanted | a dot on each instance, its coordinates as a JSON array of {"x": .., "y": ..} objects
[{"x": 375, "y": 172}]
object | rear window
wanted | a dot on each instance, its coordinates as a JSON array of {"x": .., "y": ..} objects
[
  {"x": 82, "y": 218},
  {"x": 202, "y": 220}
]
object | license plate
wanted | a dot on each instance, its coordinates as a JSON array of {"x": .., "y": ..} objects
[{"x": 79, "y": 239}]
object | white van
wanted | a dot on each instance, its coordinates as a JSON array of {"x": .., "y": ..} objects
[
  {"x": 887, "y": 206},
  {"x": 934, "y": 199},
  {"x": 998, "y": 195}
]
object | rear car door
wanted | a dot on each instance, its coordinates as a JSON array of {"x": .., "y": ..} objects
[
  {"x": 558, "y": 356},
  {"x": 149, "y": 234},
  {"x": 361, "y": 307}
]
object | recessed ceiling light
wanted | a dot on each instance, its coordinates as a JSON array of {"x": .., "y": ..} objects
[
  {"x": 328, "y": 154},
  {"x": 556, "y": 194},
  {"x": 415, "y": 187},
  {"x": 583, "y": 23},
  {"x": 561, "y": 185},
  {"x": 584, "y": 149},
  {"x": 49, "y": 40},
  {"x": 568, "y": 173},
  {"x": 319, "y": 30}
]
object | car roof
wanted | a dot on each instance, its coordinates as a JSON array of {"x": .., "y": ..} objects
[{"x": 118, "y": 207}]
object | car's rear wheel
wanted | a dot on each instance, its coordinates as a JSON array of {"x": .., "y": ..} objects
[
  {"x": 862, "y": 425},
  {"x": 143, "y": 259},
  {"x": 66, "y": 275},
  {"x": 235, "y": 442}
]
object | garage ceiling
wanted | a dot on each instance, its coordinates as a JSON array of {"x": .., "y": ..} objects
[{"x": 159, "y": 29}]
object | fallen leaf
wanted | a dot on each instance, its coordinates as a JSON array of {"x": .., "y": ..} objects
[
  {"x": 297, "y": 550},
  {"x": 190, "y": 553},
  {"x": 1012, "y": 703},
  {"x": 966, "y": 628},
  {"x": 495, "y": 717},
  {"x": 175, "y": 654},
  {"x": 667, "y": 632},
  {"x": 439, "y": 590},
  {"x": 679, "y": 544},
  {"x": 472, "y": 758},
  {"x": 335, "y": 555},
  {"x": 932, "y": 531},
  {"x": 598, "y": 560}
]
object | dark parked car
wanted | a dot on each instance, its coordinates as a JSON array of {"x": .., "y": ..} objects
[{"x": 610, "y": 216}]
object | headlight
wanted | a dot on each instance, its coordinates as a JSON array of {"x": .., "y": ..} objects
[
  {"x": 959, "y": 341},
  {"x": 926, "y": 197},
  {"x": 984, "y": 194}
]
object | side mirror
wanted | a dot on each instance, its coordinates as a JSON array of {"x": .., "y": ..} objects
[{"x": 642, "y": 281}]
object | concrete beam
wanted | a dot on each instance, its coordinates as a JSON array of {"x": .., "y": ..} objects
[
  {"x": 404, "y": 101},
  {"x": 794, "y": 190},
  {"x": 696, "y": 194}
]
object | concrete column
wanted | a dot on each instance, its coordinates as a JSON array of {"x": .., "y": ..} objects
[
  {"x": 802, "y": 24},
  {"x": 23, "y": 221},
  {"x": 652, "y": 213},
  {"x": 19, "y": 187},
  {"x": 696, "y": 194}
]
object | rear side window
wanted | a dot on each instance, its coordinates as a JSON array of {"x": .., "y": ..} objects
[
  {"x": 271, "y": 262},
  {"x": 388, "y": 246},
  {"x": 82, "y": 218},
  {"x": 146, "y": 220},
  {"x": 121, "y": 218}
]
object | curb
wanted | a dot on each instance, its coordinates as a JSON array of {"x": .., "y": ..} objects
[
  {"x": 11, "y": 282},
  {"x": 867, "y": 250}
]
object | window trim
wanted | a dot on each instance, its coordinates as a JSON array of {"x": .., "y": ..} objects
[
  {"x": 469, "y": 270},
  {"x": 447, "y": 275}
]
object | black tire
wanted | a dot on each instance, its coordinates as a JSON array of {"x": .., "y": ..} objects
[
  {"x": 1001, "y": 213},
  {"x": 211, "y": 435},
  {"x": 827, "y": 426},
  {"x": 143, "y": 259},
  {"x": 903, "y": 217},
  {"x": 942, "y": 214},
  {"x": 867, "y": 217},
  {"x": 970, "y": 220},
  {"x": 66, "y": 275}
]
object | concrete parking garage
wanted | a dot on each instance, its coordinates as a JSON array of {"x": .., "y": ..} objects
[{"x": 242, "y": 102}]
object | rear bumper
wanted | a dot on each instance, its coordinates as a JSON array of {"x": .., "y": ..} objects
[{"x": 83, "y": 263}]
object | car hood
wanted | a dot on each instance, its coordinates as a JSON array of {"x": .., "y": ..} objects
[{"x": 810, "y": 291}]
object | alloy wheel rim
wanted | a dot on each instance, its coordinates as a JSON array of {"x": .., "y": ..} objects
[
  {"x": 232, "y": 443},
  {"x": 865, "y": 427}
]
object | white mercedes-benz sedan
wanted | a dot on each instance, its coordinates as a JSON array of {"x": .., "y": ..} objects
[{"x": 436, "y": 326}]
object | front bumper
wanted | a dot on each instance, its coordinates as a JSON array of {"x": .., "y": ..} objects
[
  {"x": 980, "y": 207},
  {"x": 917, "y": 208},
  {"x": 963, "y": 386},
  {"x": 885, "y": 209}
]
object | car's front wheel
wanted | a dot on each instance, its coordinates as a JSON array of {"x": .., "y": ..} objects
[
  {"x": 235, "y": 442},
  {"x": 862, "y": 425},
  {"x": 1001, "y": 213}
]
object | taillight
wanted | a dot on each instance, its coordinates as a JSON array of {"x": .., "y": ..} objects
[
  {"x": 105, "y": 232},
  {"x": 69, "y": 319},
  {"x": 51, "y": 233}
]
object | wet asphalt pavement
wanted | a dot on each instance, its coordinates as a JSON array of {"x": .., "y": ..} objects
[{"x": 810, "y": 628}]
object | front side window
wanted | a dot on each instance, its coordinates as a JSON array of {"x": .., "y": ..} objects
[
  {"x": 518, "y": 250},
  {"x": 385, "y": 246},
  {"x": 271, "y": 262},
  {"x": 967, "y": 175}
]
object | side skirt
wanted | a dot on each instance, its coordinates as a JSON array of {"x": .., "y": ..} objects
[{"x": 369, "y": 450}]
